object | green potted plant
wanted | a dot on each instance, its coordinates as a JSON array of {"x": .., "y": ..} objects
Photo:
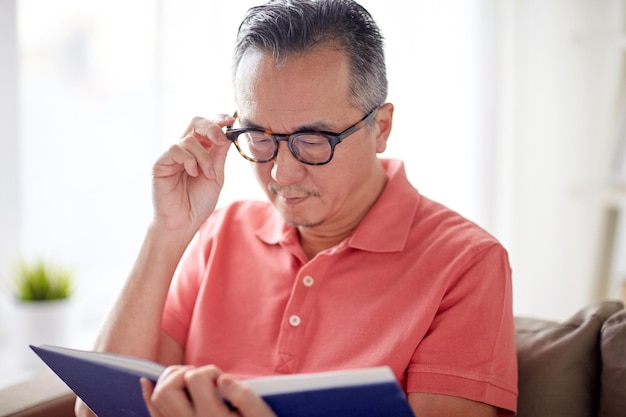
[
  {"x": 41, "y": 308},
  {"x": 39, "y": 281}
]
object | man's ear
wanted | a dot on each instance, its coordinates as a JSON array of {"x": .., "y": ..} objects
[{"x": 384, "y": 120}]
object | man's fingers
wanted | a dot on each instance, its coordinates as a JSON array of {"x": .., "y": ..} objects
[
  {"x": 147, "y": 387},
  {"x": 81, "y": 409},
  {"x": 200, "y": 124},
  {"x": 206, "y": 141},
  {"x": 246, "y": 401},
  {"x": 169, "y": 163},
  {"x": 169, "y": 396},
  {"x": 192, "y": 155},
  {"x": 212, "y": 137},
  {"x": 207, "y": 156},
  {"x": 201, "y": 386},
  {"x": 187, "y": 391}
]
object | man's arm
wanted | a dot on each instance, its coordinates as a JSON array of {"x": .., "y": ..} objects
[
  {"x": 187, "y": 181},
  {"x": 133, "y": 326},
  {"x": 436, "y": 405}
]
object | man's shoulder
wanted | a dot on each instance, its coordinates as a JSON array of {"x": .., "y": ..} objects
[{"x": 449, "y": 228}]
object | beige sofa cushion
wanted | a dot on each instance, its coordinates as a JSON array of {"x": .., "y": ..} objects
[
  {"x": 613, "y": 374},
  {"x": 558, "y": 363}
]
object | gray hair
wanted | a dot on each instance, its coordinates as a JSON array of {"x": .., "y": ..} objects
[{"x": 281, "y": 27}]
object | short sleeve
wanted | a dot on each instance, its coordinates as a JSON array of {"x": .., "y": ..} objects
[
  {"x": 184, "y": 288},
  {"x": 469, "y": 350}
]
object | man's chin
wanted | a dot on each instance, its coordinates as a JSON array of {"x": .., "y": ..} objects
[
  {"x": 301, "y": 222},
  {"x": 303, "y": 225},
  {"x": 298, "y": 216}
]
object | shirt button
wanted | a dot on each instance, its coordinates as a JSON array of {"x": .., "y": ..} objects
[
  {"x": 308, "y": 281},
  {"x": 295, "y": 320}
]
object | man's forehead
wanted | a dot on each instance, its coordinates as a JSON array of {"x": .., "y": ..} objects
[
  {"x": 309, "y": 90},
  {"x": 258, "y": 66},
  {"x": 246, "y": 102},
  {"x": 284, "y": 119}
]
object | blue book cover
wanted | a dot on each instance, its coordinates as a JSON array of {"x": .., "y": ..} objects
[{"x": 109, "y": 384}]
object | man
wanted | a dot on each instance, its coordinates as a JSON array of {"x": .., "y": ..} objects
[{"x": 347, "y": 266}]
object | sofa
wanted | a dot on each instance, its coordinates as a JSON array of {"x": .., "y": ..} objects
[{"x": 576, "y": 368}]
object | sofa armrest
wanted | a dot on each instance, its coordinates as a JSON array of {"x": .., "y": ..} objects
[{"x": 42, "y": 395}]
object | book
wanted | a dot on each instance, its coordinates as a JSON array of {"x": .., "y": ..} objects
[{"x": 109, "y": 384}]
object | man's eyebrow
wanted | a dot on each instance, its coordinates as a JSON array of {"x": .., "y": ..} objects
[{"x": 316, "y": 126}]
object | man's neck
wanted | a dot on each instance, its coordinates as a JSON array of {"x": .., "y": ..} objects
[{"x": 325, "y": 236}]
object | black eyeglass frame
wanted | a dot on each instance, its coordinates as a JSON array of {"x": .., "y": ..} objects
[{"x": 333, "y": 138}]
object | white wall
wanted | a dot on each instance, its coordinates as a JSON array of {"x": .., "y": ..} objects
[
  {"x": 87, "y": 114},
  {"x": 559, "y": 112},
  {"x": 9, "y": 138}
]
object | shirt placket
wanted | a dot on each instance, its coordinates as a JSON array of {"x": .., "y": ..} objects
[{"x": 296, "y": 319}]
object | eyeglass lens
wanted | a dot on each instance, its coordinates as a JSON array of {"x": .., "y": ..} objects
[{"x": 312, "y": 148}]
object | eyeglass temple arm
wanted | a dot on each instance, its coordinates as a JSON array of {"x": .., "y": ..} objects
[{"x": 234, "y": 117}]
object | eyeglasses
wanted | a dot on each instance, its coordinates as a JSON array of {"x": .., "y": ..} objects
[{"x": 310, "y": 147}]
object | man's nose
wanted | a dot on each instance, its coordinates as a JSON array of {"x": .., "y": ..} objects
[{"x": 287, "y": 169}]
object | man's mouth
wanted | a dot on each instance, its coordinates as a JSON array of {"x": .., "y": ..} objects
[
  {"x": 291, "y": 200},
  {"x": 291, "y": 196}
]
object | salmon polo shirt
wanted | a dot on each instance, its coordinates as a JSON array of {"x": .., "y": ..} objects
[{"x": 415, "y": 287}]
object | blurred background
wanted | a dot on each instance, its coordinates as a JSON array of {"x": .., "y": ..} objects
[{"x": 506, "y": 111}]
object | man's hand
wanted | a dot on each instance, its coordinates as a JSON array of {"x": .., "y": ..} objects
[
  {"x": 81, "y": 409},
  {"x": 188, "y": 178},
  {"x": 184, "y": 391}
]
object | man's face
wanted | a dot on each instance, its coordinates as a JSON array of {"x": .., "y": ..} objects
[{"x": 310, "y": 92}]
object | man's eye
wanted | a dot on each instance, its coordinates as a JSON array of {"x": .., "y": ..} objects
[
  {"x": 312, "y": 140},
  {"x": 260, "y": 142},
  {"x": 255, "y": 139}
]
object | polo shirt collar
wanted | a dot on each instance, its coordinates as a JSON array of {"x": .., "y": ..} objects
[{"x": 385, "y": 228}]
